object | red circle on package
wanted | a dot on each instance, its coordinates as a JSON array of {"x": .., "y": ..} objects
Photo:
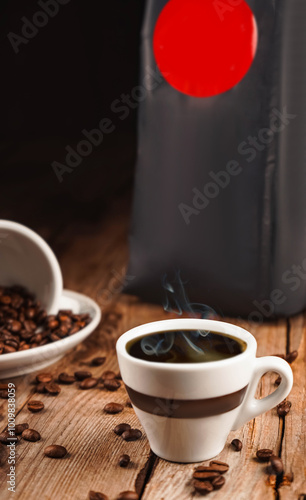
[{"x": 205, "y": 47}]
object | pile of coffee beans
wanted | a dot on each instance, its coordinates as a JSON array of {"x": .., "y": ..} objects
[
  {"x": 24, "y": 324},
  {"x": 207, "y": 478}
]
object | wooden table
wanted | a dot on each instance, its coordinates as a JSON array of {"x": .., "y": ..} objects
[{"x": 93, "y": 257}]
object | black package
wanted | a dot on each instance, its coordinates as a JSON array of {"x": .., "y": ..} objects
[{"x": 220, "y": 181}]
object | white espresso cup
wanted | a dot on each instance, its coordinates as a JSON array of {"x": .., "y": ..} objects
[
  {"x": 188, "y": 409},
  {"x": 27, "y": 260}
]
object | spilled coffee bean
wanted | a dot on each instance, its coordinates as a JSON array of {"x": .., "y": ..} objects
[
  {"x": 41, "y": 388},
  {"x": 221, "y": 467},
  {"x": 205, "y": 476},
  {"x": 81, "y": 375},
  {"x": 64, "y": 378},
  {"x": 35, "y": 406},
  {"x": 44, "y": 378},
  {"x": 128, "y": 495},
  {"x": 218, "y": 482},
  {"x": 96, "y": 495},
  {"x": 276, "y": 464},
  {"x": 291, "y": 357},
  {"x": 124, "y": 460},
  {"x": 121, "y": 428},
  {"x": 52, "y": 388},
  {"x": 112, "y": 384},
  {"x": 6, "y": 438},
  {"x": 264, "y": 455},
  {"x": 30, "y": 435},
  {"x": 203, "y": 487},
  {"x": 236, "y": 444},
  {"x": 108, "y": 375},
  {"x": 131, "y": 435},
  {"x": 113, "y": 408},
  {"x": 89, "y": 383},
  {"x": 98, "y": 361},
  {"x": 287, "y": 479},
  {"x": 283, "y": 408},
  {"x": 278, "y": 380},
  {"x": 19, "y": 428},
  {"x": 55, "y": 451}
]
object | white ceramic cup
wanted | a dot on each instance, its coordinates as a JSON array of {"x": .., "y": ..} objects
[
  {"x": 27, "y": 260},
  {"x": 188, "y": 409}
]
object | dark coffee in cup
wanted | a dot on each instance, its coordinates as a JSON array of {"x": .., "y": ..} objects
[{"x": 185, "y": 346}]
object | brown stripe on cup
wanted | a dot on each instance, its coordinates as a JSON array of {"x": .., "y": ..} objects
[{"x": 186, "y": 408}]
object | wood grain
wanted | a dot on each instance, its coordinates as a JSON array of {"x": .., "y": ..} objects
[
  {"x": 93, "y": 258},
  {"x": 294, "y": 442}
]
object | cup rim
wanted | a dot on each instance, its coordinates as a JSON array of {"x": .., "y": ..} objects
[
  {"x": 188, "y": 324},
  {"x": 45, "y": 248}
]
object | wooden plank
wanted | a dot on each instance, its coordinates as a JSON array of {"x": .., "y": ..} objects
[
  {"x": 294, "y": 442},
  {"x": 246, "y": 478}
]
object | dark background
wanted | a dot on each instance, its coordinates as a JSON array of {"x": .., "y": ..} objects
[{"x": 64, "y": 80}]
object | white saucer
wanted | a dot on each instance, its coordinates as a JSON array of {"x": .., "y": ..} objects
[{"x": 22, "y": 362}]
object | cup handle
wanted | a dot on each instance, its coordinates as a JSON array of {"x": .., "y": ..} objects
[{"x": 252, "y": 407}]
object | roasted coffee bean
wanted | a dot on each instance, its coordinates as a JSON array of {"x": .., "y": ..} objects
[
  {"x": 118, "y": 376},
  {"x": 236, "y": 444},
  {"x": 287, "y": 479},
  {"x": 19, "y": 428},
  {"x": 218, "y": 482},
  {"x": 7, "y": 349},
  {"x": 302, "y": 496},
  {"x": 44, "y": 377},
  {"x": 34, "y": 406},
  {"x": 264, "y": 455},
  {"x": 205, "y": 476},
  {"x": 131, "y": 435},
  {"x": 4, "y": 394},
  {"x": 128, "y": 495},
  {"x": 124, "y": 460},
  {"x": 108, "y": 375},
  {"x": 278, "y": 380},
  {"x": 291, "y": 356},
  {"x": 96, "y": 495},
  {"x": 41, "y": 388},
  {"x": 14, "y": 326},
  {"x": 55, "y": 451},
  {"x": 129, "y": 403},
  {"x": 98, "y": 361},
  {"x": 30, "y": 435},
  {"x": 203, "y": 487},
  {"x": 283, "y": 408},
  {"x": 64, "y": 378},
  {"x": 89, "y": 383},
  {"x": 276, "y": 464},
  {"x": 113, "y": 408},
  {"x": 81, "y": 375},
  {"x": 7, "y": 438},
  {"x": 112, "y": 384},
  {"x": 222, "y": 466},
  {"x": 121, "y": 428},
  {"x": 52, "y": 388},
  {"x": 221, "y": 469}
]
